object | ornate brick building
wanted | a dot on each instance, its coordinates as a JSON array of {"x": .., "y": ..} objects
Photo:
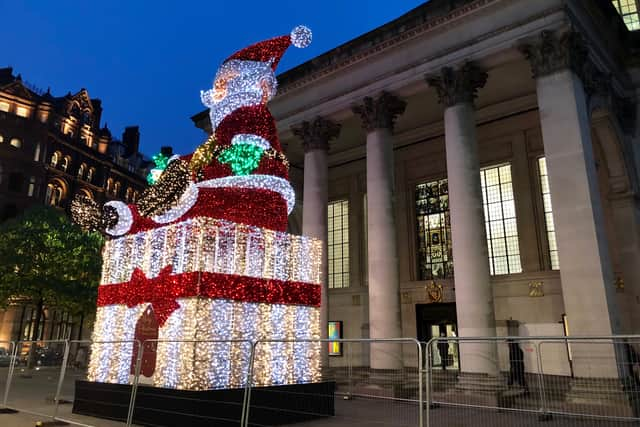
[{"x": 52, "y": 148}]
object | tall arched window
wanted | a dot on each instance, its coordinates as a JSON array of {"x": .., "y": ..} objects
[
  {"x": 90, "y": 174},
  {"x": 55, "y": 158},
  {"x": 109, "y": 187},
  {"x": 81, "y": 171},
  {"x": 66, "y": 162},
  {"x": 55, "y": 193},
  {"x": 129, "y": 195},
  {"x": 36, "y": 154},
  {"x": 116, "y": 188}
]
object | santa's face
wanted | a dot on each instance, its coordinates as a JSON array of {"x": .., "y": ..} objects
[{"x": 239, "y": 84}]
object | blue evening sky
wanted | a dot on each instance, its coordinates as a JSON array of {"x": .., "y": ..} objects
[{"x": 148, "y": 60}]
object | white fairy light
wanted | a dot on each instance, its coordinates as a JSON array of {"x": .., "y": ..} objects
[
  {"x": 249, "y": 139},
  {"x": 186, "y": 202}
]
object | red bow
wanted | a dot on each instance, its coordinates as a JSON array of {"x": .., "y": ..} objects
[{"x": 160, "y": 291}]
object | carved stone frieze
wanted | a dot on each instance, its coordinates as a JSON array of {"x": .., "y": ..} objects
[
  {"x": 460, "y": 85},
  {"x": 315, "y": 135},
  {"x": 380, "y": 112}
]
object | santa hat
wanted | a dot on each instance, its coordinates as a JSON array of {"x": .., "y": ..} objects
[{"x": 272, "y": 50}]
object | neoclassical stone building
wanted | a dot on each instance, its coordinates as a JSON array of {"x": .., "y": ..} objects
[{"x": 473, "y": 167}]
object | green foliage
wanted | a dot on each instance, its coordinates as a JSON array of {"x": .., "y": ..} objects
[{"x": 45, "y": 257}]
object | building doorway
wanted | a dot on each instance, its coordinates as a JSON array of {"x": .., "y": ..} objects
[{"x": 439, "y": 320}]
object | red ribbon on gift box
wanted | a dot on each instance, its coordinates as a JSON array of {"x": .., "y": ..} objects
[{"x": 163, "y": 290}]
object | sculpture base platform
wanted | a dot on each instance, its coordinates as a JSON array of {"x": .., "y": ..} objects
[{"x": 274, "y": 405}]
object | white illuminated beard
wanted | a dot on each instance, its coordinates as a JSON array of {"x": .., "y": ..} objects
[{"x": 221, "y": 109}]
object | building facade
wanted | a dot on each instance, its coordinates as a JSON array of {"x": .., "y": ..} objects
[
  {"x": 474, "y": 169},
  {"x": 51, "y": 149}
]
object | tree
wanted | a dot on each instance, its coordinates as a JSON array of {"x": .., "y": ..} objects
[{"x": 48, "y": 261}]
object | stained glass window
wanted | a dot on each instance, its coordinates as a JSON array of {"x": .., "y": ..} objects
[
  {"x": 435, "y": 260},
  {"x": 338, "y": 244},
  {"x": 500, "y": 220},
  {"x": 548, "y": 214},
  {"x": 628, "y": 9}
]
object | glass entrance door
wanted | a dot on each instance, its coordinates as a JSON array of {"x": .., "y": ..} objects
[
  {"x": 445, "y": 353},
  {"x": 439, "y": 320}
]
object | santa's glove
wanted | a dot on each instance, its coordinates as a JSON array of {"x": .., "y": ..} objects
[
  {"x": 165, "y": 193},
  {"x": 91, "y": 215}
]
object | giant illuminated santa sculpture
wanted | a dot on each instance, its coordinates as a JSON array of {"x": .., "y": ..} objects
[{"x": 204, "y": 256}]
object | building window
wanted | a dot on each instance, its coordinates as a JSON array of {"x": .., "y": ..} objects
[
  {"x": 338, "y": 244},
  {"x": 116, "y": 188},
  {"x": 81, "y": 171},
  {"x": 36, "y": 153},
  {"x": 500, "y": 220},
  {"x": 16, "y": 142},
  {"x": 66, "y": 162},
  {"x": 129, "y": 195},
  {"x": 15, "y": 182},
  {"x": 1, "y": 139},
  {"x": 22, "y": 111},
  {"x": 548, "y": 214},
  {"x": 90, "y": 174},
  {"x": 55, "y": 158},
  {"x": 55, "y": 194},
  {"x": 435, "y": 260},
  {"x": 32, "y": 186},
  {"x": 109, "y": 187},
  {"x": 628, "y": 9},
  {"x": 4, "y": 106}
]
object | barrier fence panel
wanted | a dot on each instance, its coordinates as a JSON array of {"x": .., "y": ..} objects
[
  {"x": 523, "y": 381},
  {"x": 483, "y": 381},
  {"x": 366, "y": 382},
  {"x": 34, "y": 378},
  {"x": 194, "y": 382},
  {"x": 111, "y": 363},
  {"x": 7, "y": 364},
  {"x": 600, "y": 378}
]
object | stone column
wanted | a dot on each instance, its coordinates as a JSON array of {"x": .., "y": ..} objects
[
  {"x": 315, "y": 136},
  {"x": 378, "y": 116},
  {"x": 560, "y": 64},
  {"x": 474, "y": 297}
]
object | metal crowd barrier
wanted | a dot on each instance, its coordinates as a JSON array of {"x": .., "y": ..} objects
[
  {"x": 512, "y": 380},
  {"x": 436, "y": 383}
]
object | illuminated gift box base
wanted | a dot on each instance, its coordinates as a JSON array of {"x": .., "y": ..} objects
[{"x": 242, "y": 282}]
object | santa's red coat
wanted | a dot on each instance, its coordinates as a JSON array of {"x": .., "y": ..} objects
[{"x": 254, "y": 120}]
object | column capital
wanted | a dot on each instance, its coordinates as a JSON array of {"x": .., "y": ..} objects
[
  {"x": 315, "y": 135},
  {"x": 460, "y": 85},
  {"x": 556, "y": 51},
  {"x": 381, "y": 112}
]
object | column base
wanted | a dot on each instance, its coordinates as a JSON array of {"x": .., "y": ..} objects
[
  {"x": 604, "y": 396},
  {"x": 478, "y": 389}
]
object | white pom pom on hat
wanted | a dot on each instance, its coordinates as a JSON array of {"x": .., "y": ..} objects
[{"x": 301, "y": 36}]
